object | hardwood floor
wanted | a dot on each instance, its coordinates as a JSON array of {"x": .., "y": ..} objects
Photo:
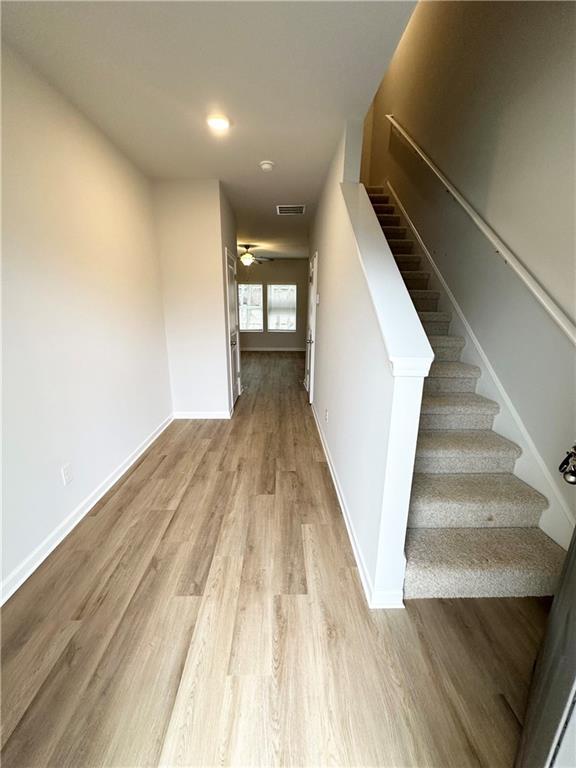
[{"x": 208, "y": 612}]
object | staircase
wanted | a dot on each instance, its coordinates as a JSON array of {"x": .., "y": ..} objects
[{"x": 472, "y": 525}]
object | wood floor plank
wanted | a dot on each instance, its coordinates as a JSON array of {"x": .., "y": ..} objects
[
  {"x": 188, "y": 740},
  {"x": 251, "y": 652},
  {"x": 51, "y": 710},
  {"x": 140, "y": 652},
  {"x": 208, "y": 612},
  {"x": 25, "y": 672}
]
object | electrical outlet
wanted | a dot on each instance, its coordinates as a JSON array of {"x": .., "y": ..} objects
[
  {"x": 326, "y": 415},
  {"x": 66, "y": 472}
]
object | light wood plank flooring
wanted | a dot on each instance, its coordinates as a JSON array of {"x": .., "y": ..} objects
[{"x": 208, "y": 612}]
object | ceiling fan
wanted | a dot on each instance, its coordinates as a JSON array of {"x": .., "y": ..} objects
[{"x": 247, "y": 258}]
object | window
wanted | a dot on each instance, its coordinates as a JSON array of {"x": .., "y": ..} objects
[
  {"x": 281, "y": 307},
  {"x": 250, "y": 307}
]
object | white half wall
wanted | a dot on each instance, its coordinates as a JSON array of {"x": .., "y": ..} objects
[
  {"x": 190, "y": 237},
  {"x": 371, "y": 358},
  {"x": 84, "y": 352}
]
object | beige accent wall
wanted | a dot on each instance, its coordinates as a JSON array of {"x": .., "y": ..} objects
[
  {"x": 272, "y": 272},
  {"x": 488, "y": 91}
]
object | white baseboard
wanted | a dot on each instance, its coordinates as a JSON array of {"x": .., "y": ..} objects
[
  {"x": 374, "y": 598},
  {"x": 273, "y": 349},
  {"x": 387, "y": 599},
  {"x": 27, "y": 567},
  {"x": 560, "y": 531},
  {"x": 202, "y": 415}
]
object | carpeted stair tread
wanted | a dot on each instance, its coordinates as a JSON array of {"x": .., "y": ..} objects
[
  {"x": 464, "y": 442},
  {"x": 413, "y": 274},
  {"x": 453, "y": 370},
  {"x": 388, "y": 219},
  {"x": 458, "y": 402},
  {"x": 423, "y": 293},
  {"x": 401, "y": 246},
  {"x": 447, "y": 451},
  {"x": 457, "y": 410},
  {"x": 394, "y": 232},
  {"x": 447, "y": 341},
  {"x": 483, "y": 500},
  {"x": 447, "y": 348},
  {"x": 386, "y": 208},
  {"x": 378, "y": 198},
  {"x": 410, "y": 262},
  {"x": 435, "y": 317},
  {"x": 481, "y": 562}
]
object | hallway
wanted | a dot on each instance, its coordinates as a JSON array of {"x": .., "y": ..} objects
[{"x": 208, "y": 612}]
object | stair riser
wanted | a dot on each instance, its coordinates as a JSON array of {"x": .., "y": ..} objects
[
  {"x": 462, "y": 516},
  {"x": 441, "y": 465},
  {"x": 501, "y": 583},
  {"x": 449, "y": 385},
  {"x": 407, "y": 265},
  {"x": 437, "y": 328},
  {"x": 386, "y": 209},
  {"x": 425, "y": 304},
  {"x": 388, "y": 219},
  {"x": 419, "y": 283},
  {"x": 398, "y": 246},
  {"x": 394, "y": 233},
  {"x": 456, "y": 421},
  {"x": 447, "y": 354},
  {"x": 378, "y": 199}
]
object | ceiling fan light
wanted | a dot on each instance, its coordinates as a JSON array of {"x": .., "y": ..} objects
[{"x": 247, "y": 259}]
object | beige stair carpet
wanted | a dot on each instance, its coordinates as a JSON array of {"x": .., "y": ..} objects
[{"x": 472, "y": 525}]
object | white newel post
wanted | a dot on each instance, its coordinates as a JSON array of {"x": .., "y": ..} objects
[{"x": 399, "y": 469}]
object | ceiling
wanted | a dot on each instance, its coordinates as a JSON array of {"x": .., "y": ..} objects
[{"x": 287, "y": 74}]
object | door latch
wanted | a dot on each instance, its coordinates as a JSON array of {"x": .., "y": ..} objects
[{"x": 568, "y": 466}]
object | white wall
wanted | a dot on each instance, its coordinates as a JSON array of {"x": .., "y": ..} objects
[
  {"x": 278, "y": 271},
  {"x": 494, "y": 110},
  {"x": 85, "y": 370},
  {"x": 190, "y": 232},
  {"x": 566, "y": 755}
]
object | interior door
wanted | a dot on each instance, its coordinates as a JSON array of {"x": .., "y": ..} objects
[
  {"x": 311, "y": 332},
  {"x": 553, "y": 686},
  {"x": 233, "y": 326}
]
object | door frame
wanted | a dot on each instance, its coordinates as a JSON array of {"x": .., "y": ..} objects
[
  {"x": 231, "y": 260},
  {"x": 311, "y": 328}
]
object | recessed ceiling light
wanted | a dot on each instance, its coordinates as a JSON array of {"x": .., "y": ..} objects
[
  {"x": 266, "y": 165},
  {"x": 219, "y": 124}
]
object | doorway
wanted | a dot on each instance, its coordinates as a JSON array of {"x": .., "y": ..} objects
[
  {"x": 311, "y": 332},
  {"x": 235, "y": 381}
]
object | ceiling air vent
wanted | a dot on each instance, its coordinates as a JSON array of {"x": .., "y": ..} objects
[{"x": 290, "y": 210}]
